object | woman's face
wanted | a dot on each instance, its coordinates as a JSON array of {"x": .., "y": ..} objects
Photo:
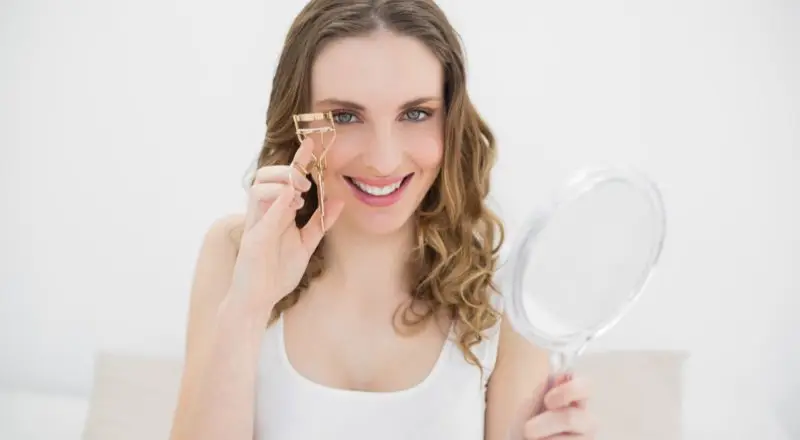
[{"x": 385, "y": 93}]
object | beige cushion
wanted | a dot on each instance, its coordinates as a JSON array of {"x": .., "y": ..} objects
[
  {"x": 133, "y": 397},
  {"x": 636, "y": 395}
]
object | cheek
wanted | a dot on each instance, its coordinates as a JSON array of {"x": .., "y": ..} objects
[
  {"x": 339, "y": 157},
  {"x": 427, "y": 152},
  {"x": 337, "y": 161}
]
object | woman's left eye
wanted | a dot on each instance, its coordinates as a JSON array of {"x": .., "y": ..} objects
[{"x": 416, "y": 115}]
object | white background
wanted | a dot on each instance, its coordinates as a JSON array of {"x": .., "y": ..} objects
[{"x": 125, "y": 128}]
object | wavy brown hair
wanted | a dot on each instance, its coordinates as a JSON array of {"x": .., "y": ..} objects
[{"x": 458, "y": 236}]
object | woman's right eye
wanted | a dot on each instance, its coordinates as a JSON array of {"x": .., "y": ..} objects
[{"x": 344, "y": 117}]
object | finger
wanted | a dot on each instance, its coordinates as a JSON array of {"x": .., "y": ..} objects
[
  {"x": 312, "y": 232},
  {"x": 298, "y": 201},
  {"x": 281, "y": 214},
  {"x": 261, "y": 196},
  {"x": 304, "y": 154},
  {"x": 268, "y": 192},
  {"x": 555, "y": 380},
  {"x": 559, "y": 422},
  {"x": 572, "y": 392},
  {"x": 283, "y": 174}
]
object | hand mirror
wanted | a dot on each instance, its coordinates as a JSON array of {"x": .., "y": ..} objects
[{"x": 581, "y": 263}]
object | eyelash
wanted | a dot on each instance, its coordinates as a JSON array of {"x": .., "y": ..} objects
[{"x": 424, "y": 115}]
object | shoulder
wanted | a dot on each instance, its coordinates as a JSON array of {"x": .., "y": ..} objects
[
  {"x": 512, "y": 349},
  {"x": 505, "y": 354},
  {"x": 518, "y": 379},
  {"x": 215, "y": 260},
  {"x": 516, "y": 352}
]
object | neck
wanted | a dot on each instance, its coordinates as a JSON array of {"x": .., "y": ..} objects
[{"x": 363, "y": 264}]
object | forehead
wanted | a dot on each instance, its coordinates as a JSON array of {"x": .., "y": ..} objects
[{"x": 381, "y": 69}]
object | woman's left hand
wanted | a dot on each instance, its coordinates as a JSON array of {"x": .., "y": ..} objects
[{"x": 564, "y": 414}]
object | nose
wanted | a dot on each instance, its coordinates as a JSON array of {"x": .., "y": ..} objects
[{"x": 384, "y": 154}]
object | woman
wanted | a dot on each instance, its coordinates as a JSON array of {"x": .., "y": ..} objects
[{"x": 388, "y": 327}]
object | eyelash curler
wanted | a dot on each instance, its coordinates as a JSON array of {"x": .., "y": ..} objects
[{"x": 318, "y": 163}]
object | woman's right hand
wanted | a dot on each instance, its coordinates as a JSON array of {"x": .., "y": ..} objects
[{"x": 274, "y": 252}]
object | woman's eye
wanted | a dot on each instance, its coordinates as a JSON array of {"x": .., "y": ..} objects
[
  {"x": 344, "y": 118},
  {"x": 416, "y": 115}
]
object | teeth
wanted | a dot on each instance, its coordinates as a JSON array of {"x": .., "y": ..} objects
[{"x": 378, "y": 190}]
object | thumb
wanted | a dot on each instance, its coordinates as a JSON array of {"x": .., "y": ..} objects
[{"x": 312, "y": 232}]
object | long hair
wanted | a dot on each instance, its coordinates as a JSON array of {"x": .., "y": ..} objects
[{"x": 458, "y": 236}]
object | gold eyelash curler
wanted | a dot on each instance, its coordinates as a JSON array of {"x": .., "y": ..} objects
[{"x": 318, "y": 163}]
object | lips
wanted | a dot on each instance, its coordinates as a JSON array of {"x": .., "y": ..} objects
[
  {"x": 378, "y": 187},
  {"x": 379, "y": 192}
]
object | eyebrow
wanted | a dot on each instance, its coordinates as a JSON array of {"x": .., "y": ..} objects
[{"x": 356, "y": 106}]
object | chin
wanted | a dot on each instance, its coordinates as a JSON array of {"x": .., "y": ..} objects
[
  {"x": 381, "y": 211},
  {"x": 377, "y": 226}
]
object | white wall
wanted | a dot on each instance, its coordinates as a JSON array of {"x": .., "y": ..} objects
[{"x": 125, "y": 128}]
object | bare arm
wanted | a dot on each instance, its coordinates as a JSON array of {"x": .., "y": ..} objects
[
  {"x": 216, "y": 398},
  {"x": 516, "y": 385}
]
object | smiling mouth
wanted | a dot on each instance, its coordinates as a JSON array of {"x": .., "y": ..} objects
[{"x": 379, "y": 190}]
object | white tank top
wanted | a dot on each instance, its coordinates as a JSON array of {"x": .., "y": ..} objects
[{"x": 448, "y": 404}]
